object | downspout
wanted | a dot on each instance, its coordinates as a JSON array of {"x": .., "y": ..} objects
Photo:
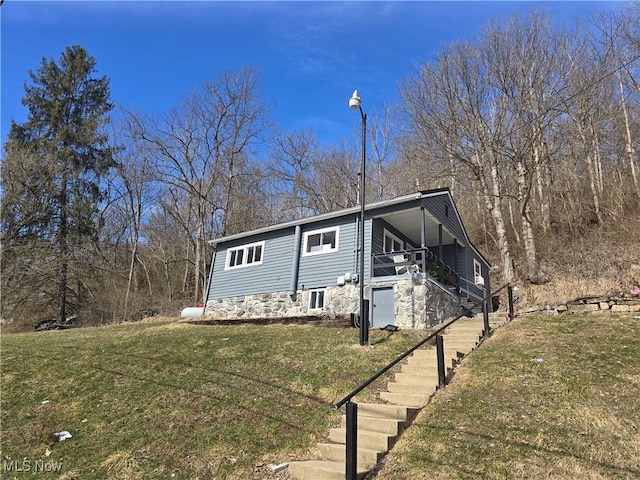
[
  {"x": 423, "y": 229},
  {"x": 423, "y": 239},
  {"x": 440, "y": 252},
  {"x": 455, "y": 262},
  {"x": 295, "y": 266},
  {"x": 356, "y": 248}
]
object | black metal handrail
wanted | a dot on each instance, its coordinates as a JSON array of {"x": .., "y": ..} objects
[
  {"x": 401, "y": 357},
  {"x": 352, "y": 407}
]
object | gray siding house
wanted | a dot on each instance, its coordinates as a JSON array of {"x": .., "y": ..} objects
[{"x": 419, "y": 265}]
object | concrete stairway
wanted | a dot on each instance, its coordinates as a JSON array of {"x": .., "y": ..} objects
[{"x": 380, "y": 425}]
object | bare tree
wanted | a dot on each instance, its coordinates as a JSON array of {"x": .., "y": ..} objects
[
  {"x": 201, "y": 148},
  {"x": 454, "y": 108}
]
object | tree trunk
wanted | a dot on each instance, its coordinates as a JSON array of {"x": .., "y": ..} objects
[
  {"x": 629, "y": 140},
  {"x": 63, "y": 246},
  {"x": 493, "y": 202},
  {"x": 534, "y": 271},
  {"x": 542, "y": 187},
  {"x": 592, "y": 174}
]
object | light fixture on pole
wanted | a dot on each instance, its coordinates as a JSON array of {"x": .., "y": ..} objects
[{"x": 354, "y": 103}]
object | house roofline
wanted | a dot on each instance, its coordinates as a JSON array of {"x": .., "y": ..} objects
[
  {"x": 317, "y": 218},
  {"x": 353, "y": 210}
]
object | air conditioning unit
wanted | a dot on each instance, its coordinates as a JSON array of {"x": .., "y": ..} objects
[{"x": 480, "y": 281}]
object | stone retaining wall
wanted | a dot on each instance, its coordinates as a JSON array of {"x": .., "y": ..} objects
[{"x": 612, "y": 304}]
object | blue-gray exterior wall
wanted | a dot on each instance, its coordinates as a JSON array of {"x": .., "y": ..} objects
[
  {"x": 437, "y": 206},
  {"x": 318, "y": 271},
  {"x": 477, "y": 292},
  {"x": 377, "y": 242},
  {"x": 274, "y": 274}
]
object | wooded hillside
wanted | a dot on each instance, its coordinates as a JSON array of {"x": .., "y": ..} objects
[{"x": 534, "y": 128}]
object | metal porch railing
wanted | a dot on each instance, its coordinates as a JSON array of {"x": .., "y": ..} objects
[{"x": 384, "y": 264}]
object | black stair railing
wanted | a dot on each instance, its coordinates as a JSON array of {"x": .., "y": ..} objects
[{"x": 351, "y": 463}]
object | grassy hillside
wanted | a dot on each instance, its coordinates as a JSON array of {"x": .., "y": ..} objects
[
  {"x": 545, "y": 397},
  {"x": 165, "y": 400},
  {"x": 542, "y": 398}
]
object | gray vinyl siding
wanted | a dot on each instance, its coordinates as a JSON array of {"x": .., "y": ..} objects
[
  {"x": 273, "y": 275},
  {"x": 449, "y": 256},
  {"x": 437, "y": 206},
  {"x": 475, "y": 291},
  {"x": 377, "y": 244},
  {"x": 322, "y": 270}
]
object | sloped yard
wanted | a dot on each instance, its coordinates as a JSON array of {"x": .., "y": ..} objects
[
  {"x": 165, "y": 399},
  {"x": 545, "y": 397}
]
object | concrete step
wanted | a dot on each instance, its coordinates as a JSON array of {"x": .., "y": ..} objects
[
  {"x": 404, "y": 413},
  {"x": 428, "y": 368},
  {"x": 428, "y": 353},
  {"x": 320, "y": 470},
  {"x": 408, "y": 399},
  {"x": 371, "y": 440},
  {"x": 450, "y": 356},
  {"x": 390, "y": 426},
  {"x": 400, "y": 387},
  {"x": 476, "y": 322},
  {"x": 464, "y": 330},
  {"x": 336, "y": 452},
  {"x": 470, "y": 339},
  {"x": 471, "y": 335},
  {"x": 416, "y": 375},
  {"x": 460, "y": 346}
]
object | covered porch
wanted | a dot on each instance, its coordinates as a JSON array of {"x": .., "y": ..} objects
[{"x": 413, "y": 241}]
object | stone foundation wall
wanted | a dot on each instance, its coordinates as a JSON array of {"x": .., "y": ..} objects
[
  {"x": 418, "y": 304},
  {"x": 337, "y": 301}
]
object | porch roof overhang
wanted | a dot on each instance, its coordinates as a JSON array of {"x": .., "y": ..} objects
[{"x": 408, "y": 222}]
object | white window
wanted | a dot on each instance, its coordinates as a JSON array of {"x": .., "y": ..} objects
[
  {"x": 245, "y": 255},
  {"x": 321, "y": 241},
  {"x": 392, "y": 243},
  {"x": 316, "y": 299},
  {"x": 477, "y": 273}
]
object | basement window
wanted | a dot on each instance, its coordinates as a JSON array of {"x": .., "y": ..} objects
[
  {"x": 316, "y": 299},
  {"x": 245, "y": 255}
]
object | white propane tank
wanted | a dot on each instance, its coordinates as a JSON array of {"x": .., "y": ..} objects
[{"x": 192, "y": 312}]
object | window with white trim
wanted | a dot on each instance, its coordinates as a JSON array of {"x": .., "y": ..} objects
[
  {"x": 391, "y": 243},
  {"x": 477, "y": 272},
  {"x": 245, "y": 255},
  {"x": 321, "y": 241},
  {"x": 316, "y": 299}
]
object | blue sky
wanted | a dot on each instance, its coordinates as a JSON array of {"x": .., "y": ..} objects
[{"x": 310, "y": 55}]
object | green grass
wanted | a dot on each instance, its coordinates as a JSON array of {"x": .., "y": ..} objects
[
  {"x": 170, "y": 400},
  {"x": 574, "y": 415}
]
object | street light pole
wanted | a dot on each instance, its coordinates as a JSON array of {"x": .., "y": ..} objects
[{"x": 354, "y": 103}]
